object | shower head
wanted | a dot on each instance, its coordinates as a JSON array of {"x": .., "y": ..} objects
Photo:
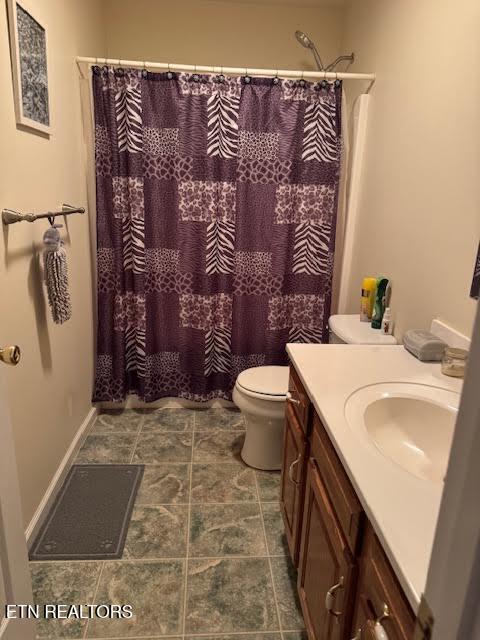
[{"x": 305, "y": 41}]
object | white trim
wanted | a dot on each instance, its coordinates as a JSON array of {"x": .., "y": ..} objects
[
  {"x": 57, "y": 480},
  {"x": 450, "y": 335},
  {"x": 14, "y": 573}
]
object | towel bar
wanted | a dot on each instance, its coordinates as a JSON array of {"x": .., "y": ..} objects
[{"x": 9, "y": 216}]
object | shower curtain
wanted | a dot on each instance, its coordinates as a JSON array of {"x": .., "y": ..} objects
[{"x": 216, "y": 213}]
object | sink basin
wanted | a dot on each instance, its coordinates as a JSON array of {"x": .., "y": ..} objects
[{"x": 411, "y": 424}]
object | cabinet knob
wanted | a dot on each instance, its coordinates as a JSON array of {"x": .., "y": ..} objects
[
  {"x": 330, "y": 597},
  {"x": 292, "y": 467},
  {"x": 291, "y": 399},
  {"x": 385, "y": 613}
]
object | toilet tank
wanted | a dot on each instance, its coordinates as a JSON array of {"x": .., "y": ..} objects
[{"x": 347, "y": 329}]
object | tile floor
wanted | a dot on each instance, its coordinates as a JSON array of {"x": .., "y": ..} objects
[{"x": 205, "y": 552}]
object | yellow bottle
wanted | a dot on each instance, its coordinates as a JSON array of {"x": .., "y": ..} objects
[{"x": 368, "y": 298}]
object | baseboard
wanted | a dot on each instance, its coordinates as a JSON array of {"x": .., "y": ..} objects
[{"x": 57, "y": 480}]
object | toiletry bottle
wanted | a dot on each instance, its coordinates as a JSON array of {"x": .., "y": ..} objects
[
  {"x": 379, "y": 306},
  {"x": 388, "y": 295},
  {"x": 387, "y": 323},
  {"x": 367, "y": 300}
]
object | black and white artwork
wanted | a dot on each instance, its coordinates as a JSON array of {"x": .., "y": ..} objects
[
  {"x": 475, "y": 290},
  {"x": 28, "y": 42}
]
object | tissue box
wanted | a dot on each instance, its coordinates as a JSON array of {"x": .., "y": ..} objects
[{"x": 424, "y": 345}]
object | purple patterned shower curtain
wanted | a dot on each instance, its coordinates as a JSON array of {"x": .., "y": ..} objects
[{"x": 216, "y": 212}]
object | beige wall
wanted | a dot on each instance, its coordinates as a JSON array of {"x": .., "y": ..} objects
[
  {"x": 228, "y": 33},
  {"x": 420, "y": 210},
  {"x": 49, "y": 391}
]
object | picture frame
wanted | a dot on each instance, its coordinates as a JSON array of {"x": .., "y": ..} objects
[
  {"x": 29, "y": 55},
  {"x": 475, "y": 289}
]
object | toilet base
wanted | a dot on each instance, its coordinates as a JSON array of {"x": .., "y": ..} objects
[
  {"x": 263, "y": 442},
  {"x": 264, "y": 424}
]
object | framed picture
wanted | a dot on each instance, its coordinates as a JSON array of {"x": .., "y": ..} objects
[
  {"x": 475, "y": 290},
  {"x": 28, "y": 46}
]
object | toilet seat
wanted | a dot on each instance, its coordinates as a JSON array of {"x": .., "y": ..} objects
[{"x": 265, "y": 383}]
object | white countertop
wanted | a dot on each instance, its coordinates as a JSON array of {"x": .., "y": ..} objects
[{"x": 402, "y": 508}]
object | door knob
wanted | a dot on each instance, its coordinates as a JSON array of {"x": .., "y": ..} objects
[{"x": 10, "y": 355}]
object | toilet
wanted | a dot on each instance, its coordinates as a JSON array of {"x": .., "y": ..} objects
[{"x": 261, "y": 392}]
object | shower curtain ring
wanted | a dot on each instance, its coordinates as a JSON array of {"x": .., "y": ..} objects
[{"x": 324, "y": 82}]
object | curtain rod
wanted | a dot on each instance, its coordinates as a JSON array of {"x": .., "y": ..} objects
[
  {"x": 9, "y": 216},
  {"x": 233, "y": 71}
]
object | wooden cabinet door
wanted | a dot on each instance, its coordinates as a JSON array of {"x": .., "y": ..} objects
[
  {"x": 327, "y": 573},
  {"x": 380, "y": 598},
  {"x": 293, "y": 480}
]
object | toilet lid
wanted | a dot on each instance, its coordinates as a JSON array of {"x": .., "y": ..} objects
[{"x": 267, "y": 380}]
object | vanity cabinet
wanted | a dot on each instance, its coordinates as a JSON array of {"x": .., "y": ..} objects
[{"x": 346, "y": 586}]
